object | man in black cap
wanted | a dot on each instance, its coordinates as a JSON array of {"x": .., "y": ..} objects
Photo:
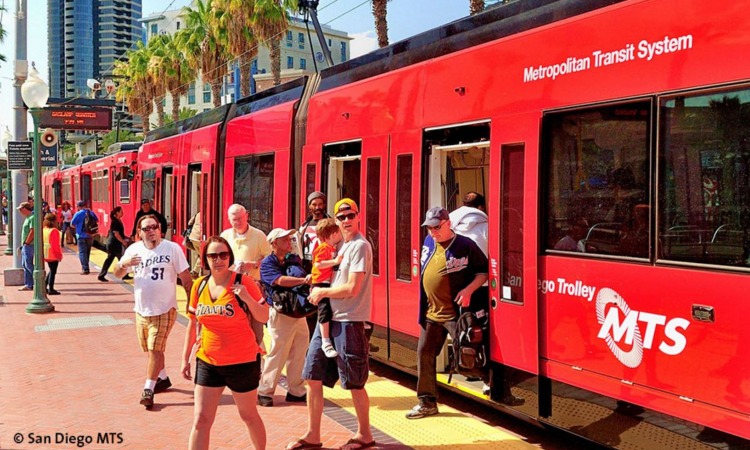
[
  {"x": 146, "y": 209},
  {"x": 308, "y": 238},
  {"x": 453, "y": 267}
]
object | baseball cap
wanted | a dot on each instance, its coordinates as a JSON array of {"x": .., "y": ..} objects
[
  {"x": 80, "y": 203},
  {"x": 434, "y": 216},
  {"x": 278, "y": 233},
  {"x": 25, "y": 205},
  {"x": 345, "y": 204},
  {"x": 144, "y": 201},
  {"x": 314, "y": 195}
]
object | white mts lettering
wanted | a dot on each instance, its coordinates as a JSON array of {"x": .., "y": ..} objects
[
  {"x": 612, "y": 323},
  {"x": 652, "y": 320},
  {"x": 678, "y": 338}
]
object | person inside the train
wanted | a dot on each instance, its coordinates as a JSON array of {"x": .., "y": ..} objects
[
  {"x": 147, "y": 209},
  {"x": 470, "y": 220},
  {"x": 248, "y": 243},
  {"x": 453, "y": 268},
  {"x": 573, "y": 239}
]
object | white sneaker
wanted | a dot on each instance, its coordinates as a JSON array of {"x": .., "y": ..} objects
[{"x": 329, "y": 351}]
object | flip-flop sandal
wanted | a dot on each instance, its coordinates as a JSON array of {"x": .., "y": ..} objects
[
  {"x": 303, "y": 445},
  {"x": 359, "y": 444}
]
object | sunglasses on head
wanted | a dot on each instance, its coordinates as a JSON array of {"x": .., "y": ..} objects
[
  {"x": 342, "y": 217},
  {"x": 150, "y": 228},
  {"x": 214, "y": 256}
]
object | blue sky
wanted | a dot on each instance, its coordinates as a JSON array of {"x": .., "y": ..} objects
[{"x": 405, "y": 18}]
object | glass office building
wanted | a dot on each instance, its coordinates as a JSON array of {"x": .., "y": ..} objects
[{"x": 85, "y": 38}]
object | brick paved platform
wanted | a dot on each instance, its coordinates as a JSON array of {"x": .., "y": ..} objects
[{"x": 78, "y": 372}]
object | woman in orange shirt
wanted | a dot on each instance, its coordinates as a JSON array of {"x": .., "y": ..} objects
[
  {"x": 52, "y": 250},
  {"x": 228, "y": 354}
]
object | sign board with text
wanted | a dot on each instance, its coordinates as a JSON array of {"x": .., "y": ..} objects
[
  {"x": 19, "y": 155},
  {"x": 67, "y": 118}
]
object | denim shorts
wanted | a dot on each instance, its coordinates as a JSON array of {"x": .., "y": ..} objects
[
  {"x": 352, "y": 366},
  {"x": 243, "y": 377}
]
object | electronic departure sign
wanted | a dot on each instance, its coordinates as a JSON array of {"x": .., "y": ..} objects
[{"x": 67, "y": 118}]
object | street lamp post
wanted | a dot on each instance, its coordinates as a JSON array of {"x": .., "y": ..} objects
[
  {"x": 6, "y": 138},
  {"x": 35, "y": 93}
]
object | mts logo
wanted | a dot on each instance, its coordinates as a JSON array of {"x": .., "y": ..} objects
[{"x": 621, "y": 325}]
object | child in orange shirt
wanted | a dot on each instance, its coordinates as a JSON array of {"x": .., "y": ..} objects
[{"x": 324, "y": 260}]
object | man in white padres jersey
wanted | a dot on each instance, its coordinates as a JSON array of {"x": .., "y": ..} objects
[{"x": 156, "y": 264}]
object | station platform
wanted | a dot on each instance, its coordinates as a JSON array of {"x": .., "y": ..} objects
[{"x": 73, "y": 379}]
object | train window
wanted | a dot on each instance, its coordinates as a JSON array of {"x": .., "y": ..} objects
[
  {"x": 596, "y": 180},
  {"x": 403, "y": 216},
  {"x": 124, "y": 191},
  {"x": 704, "y": 180},
  {"x": 342, "y": 166},
  {"x": 511, "y": 238},
  {"x": 310, "y": 180},
  {"x": 67, "y": 190},
  {"x": 372, "y": 220},
  {"x": 253, "y": 189},
  {"x": 148, "y": 184}
]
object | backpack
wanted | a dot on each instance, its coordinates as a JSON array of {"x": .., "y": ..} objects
[
  {"x": 291, "y": 302},
  {"x": 255, "y": 325},
  {"x": 469, "y": 347},
  {"x": 90, "y": 223}
]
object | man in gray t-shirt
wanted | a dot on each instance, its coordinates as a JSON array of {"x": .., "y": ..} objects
[{"x": 351, "y": 299}]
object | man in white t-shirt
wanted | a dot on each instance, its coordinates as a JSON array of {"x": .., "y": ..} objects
[
  {"x": 156, "y": 264},
  {"x": 248, "y": 243}
]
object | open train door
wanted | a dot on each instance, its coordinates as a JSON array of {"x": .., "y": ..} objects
[{"x": 514, "y": 339}]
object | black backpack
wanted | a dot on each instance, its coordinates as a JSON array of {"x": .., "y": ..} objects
[
  {"x": 255, "y": 325},
  {"x": 90, "y": 223},
  {"x": 469, "y": 347}
]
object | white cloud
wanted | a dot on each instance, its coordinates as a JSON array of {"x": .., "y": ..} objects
[{"x": 363, "y": 43}]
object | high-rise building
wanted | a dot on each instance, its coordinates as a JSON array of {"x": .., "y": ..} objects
[{"x": 85, "y": 38}]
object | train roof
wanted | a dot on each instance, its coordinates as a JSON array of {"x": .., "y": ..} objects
[
  {"x": 118, "y": 147},
  {"x": 210, "y": 117},
  {"x": 88, "y": 158},
  {"x": 492, "y": 24},
  {"x": 276, "y": 95}
]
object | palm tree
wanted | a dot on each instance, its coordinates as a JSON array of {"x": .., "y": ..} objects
[
  {"x": 169, "y": 68},
  {"x": 270, "y": 21},
  {"x": 135, "y": 88},
  {"x": 237, "y": 24},
  {"x": 476, "y": 6},
  {"x": 2, "y": 31},
  {"x": 203, "y": 44},
  {"x": 380, "y": 13},
  {"x": 155, "y": 71}
]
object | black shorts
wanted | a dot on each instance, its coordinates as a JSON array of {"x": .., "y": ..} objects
[
  {"x": 244, "y": 377},
  {"x": 325, "y": 313}
]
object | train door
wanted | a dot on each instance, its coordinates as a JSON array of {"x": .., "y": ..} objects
[
  {"x": 86, "y": 188},
  {"x": 373, "y": 224},
  {"x": 342, "y": 165},
  {"x": 403, "y": 242},
  {"x": 192, "y": 207},
  {"x": 167, "y": 200},
  {"x": 458, "y": 163},
  {"x": 57, "y": 192}
]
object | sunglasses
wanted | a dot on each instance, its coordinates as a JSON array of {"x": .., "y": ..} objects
[
  {"x": 342, "y": 217},
  {"x": 221, "y": 255},
  {"x": 150, "y": 228},
  {"x": 436, "y": 227}
]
